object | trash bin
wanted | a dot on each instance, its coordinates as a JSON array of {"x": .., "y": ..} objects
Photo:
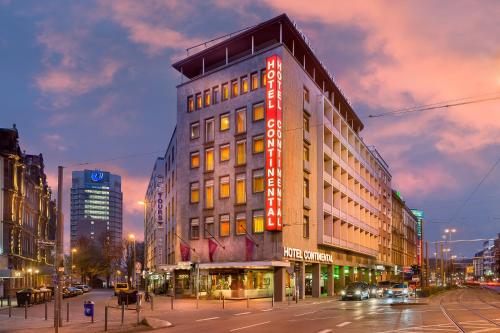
[
  {"x": 127, "y": 297},
  {"x": 23, "y": 296},
  {"x": 88, "y": 308}
]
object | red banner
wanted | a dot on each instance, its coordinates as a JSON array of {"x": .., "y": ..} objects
[
  {"x": 273, "y": 143},
  {"x": 185, "y": 252},
  {"x": 212, "y": 247}
]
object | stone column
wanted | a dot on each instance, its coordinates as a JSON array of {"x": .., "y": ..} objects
[
  {"x": 330, "y": 282},
  {"x": 301, "y": 280},
  {"x": 279, "y": 284},
  {"x": 341, "y": 277},
  {"x": 316, "y": 277},
  {"x": 352, "y": 276}
]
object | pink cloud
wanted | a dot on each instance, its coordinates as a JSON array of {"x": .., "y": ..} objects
[{"x": 420, "y": 181}]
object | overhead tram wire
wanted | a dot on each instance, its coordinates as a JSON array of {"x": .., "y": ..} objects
[{"x": 115, "y": 158}]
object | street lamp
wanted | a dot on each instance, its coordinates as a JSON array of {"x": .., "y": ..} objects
[
  {"x": 131, "y": 237},
  {"x": 30, "y": 271},
  {"x": 73, "y": 251},
  {"x": 449, "y": 232}
]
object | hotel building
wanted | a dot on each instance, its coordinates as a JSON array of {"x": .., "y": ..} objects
[{"x": 275, "y": 191}]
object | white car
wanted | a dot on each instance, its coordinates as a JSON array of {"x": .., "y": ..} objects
[{"x": 399, "y": 290}]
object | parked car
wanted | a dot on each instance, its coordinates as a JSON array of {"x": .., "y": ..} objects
[
  {"x": 83, "y": 287},
  {"x": 375, "y": 291},
  {"x": 399, "y": 290},
  {"x": 356, "y": 290},
  {"x": 385, "y": 286},
  {"x": 75, "y": 291},
  {"x": 121, "y": 286},
  {"x": 66, "y": 293}
]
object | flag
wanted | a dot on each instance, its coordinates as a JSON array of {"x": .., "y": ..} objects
[
  {"x": 249, "y": 243},
  {"x": 212, "y": 247},
  {"x": 185, "y": 252}
]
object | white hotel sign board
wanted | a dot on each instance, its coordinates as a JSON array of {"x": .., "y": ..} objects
[{"x": 293, "y": 253}]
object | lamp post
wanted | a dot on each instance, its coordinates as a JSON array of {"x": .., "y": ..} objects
[
  {"x": 449, "y": 232},
  {"x": 134, "y": 281},
  {"x": 73, "y": 251},
  {"x": 36, "y": 277}
]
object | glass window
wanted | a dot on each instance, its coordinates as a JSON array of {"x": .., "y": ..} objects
[
  {"x": 258, "y": 144},
  {"x": 241, "y": 120},
  {"x": 258, "y": 111},
  {"x": 305, "y": 230},
  {"x": 306, "y": 95},
  {"x": 241, "y": 223},
  {"x": 190, "y": 103},
  {"x": 215, "y": 95},
  {"x": 209, "y": 159},
  {"x": 195, "y": 228},
  {"x": 209, "y": 227},
  {"x": 306, "y": 187},
  {"x": 254, "y": 77},
  {"x": 225, "y": 91},
  {"x": 241, "y": 154},
  {"x": 244, "y": 84},
  {"x": 263, "y": 79},
  {"x": 224, "y": 224},
  {"x": 234, "y": 88},
  {"x": 224, "y": 122},
  {"x": 195, "y": 130},
  {"x": 241, "y": 191},
  {"x": 306, "y": 123},
  {"x": 198, "y": 101},
  {"x": 258, "y": 221},
  {"x": 209, "y": 130},
  {"x": 224, "y": 152},
  {"x": 195, "y": 192},
  {"x": 306, "y": 153},
  {"x": 195, "y": 159},
  {"x": 208, "y": 98},
  {"x": 258, "y": 181},
  {"x": 209, "y": 194},
  {"x": 224, "y": 188}
]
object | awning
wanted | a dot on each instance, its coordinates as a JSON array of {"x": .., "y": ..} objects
[
  {"x": 10, "y": 274},
  {"x": 226, "y": 265}
]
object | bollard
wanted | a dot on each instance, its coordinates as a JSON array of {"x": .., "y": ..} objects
[
  {"x": 8, "y": 300},
  {"x": 105, "y": 318},
  {"x": 272, "y": 301},
  {"x": 25, "y": 309},
  {"x": 138, "y": 309},
  {"x": 67, "y": 312},
  {"x": 46, "y": 311},
  {"x": 127, "y": 299},
  {"x": 172, "y": 302},
  {"x": 152, "y": 303},
  {"x": 248, "y": 302},
  {"x": 123, "y": 311},
  {"x": 1, "y": 302},
  {"x": 223, "y": 300},
  {"x": 296, "y": 297},
  {"x": 10, "y": 311}
]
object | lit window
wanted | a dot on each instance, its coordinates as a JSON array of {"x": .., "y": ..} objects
[
  {"x": 195, "y": 130},
  {"x": 241, "y": 155},
  {"x": 234, "y": 88},
  {"x": 306, "y": 95},
  {"x": 306, "y": 188},
  {"x": 258, "y": 144},
  {"x": 225, "y": 91},
  {"x": 258, "y": 111},
  {"x": 255, "y": 80},
  {"x": 224, "y": 122},
  {"x": 195, "y": 160},
  {"x": 209, "y": 226},
  {"x": 306, "y": 153},
  {"x": 224, "y": 223},
  {"x": 208, "y": 98},
  {"x": 195, "y": 193},
  {"x": 241, "y": 194},
  {"x": 244, "y": 84},
  {"x": 209, "y": 130},
  {"x": 209, "y": 194},
  {"x": 306, "y": 123},
  {"x": 224, "y": 152},
  {"x": 263, "y": 79},
  {"x": 215, "y": 95},
  {"x": 241, "y": 120},
  {"x": 258, "y": 221},
  {"x": 241, "y": 223},
  {"x": 198, "y": 101},
  {"x": 195, "y": 228},
  {"x": 305, "y": 230},
  {"x": 258, "y": 181},
  {"x": 190, "y": 103},
  {"x": 224, "y": 188},
  {"x": 209, "y": 159}
]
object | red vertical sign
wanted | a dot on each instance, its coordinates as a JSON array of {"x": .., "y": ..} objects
[{"x": 273, "y": 143}]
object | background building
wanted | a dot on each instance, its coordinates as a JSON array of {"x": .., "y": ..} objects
[
  {"x": 96, "y": 206},
  {"x": 27, "y": 218},
  {"x": 484, "y": 262}
]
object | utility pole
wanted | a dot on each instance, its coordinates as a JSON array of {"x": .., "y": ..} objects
[
  {"x": 443, "y": 273},
  {"x": 427, "y": 263},
  {"x": 59, "y": 262}
]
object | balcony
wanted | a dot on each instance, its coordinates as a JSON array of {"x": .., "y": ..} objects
[
  {"x": 327, "y": 178},
  {"x": 328, "y": 151},
  {"x": 307, "y": 166},
  {"x": 327, "y": 208},
  {"x": 307, "y": 136},
  {"x": 346, "y": 245}
]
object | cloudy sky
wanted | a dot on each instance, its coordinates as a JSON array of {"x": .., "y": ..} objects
[{"x": 87, "y": 81}]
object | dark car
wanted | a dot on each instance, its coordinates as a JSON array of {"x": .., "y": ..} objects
[
  {"x": 356, "y": 290},
  {"x": 375, "y": 291},
  {"x": 385, "y": 286}
]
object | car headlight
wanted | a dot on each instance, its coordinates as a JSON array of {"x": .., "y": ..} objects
[
  {"x": 405, "y": 291},
  {"x": 358, "y": 292},
  {"x": 342, "y": 292},
  {"x": 390, "y": 292},
  {"x": 374, "y": 290}
]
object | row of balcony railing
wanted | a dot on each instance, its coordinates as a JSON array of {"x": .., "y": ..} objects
[{"x": 337, "y": 242}]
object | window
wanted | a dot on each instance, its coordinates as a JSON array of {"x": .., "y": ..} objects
[
  {"x": 190, "y": 103},
  {"x": 224, "y": 190},
  {"x": 244, "y": 84},
  {"x": 234, "y": 88},
  {"x": 241, "y": 223},
  {"x": 208, "y": 98},
  {"x": 306, "y": 153},
  {"x": 209, "y": 226},
  {"x": 241, "y": 191},
  {"x": 258, "y": 181},
  {"x": 209, "y": 159},
  {"x": 305, "y": 230},
  {"x": 225, "y": 92},
  {"x": 306, "y": 123},
  {"x": 306, "y": 95},
  {"x": 241, "y": 120},
  {"x": 209, "y": 194},
  {"x": 258, "y": 111},
  {"x": 306, "y": 187},
  {"x": 258, "y": 144},
  {"x": 224, "y": 153},
  {"x": 198, "y": 101},
  {"x": 258, "y": 221},
  {"x": 195, "y": 193},
  {"x": 195, "y": 228},
  {"x": 215, "y": 95},
  {"x": 241, "y": 156},
  {"x": 195, "y": 130},
  {"x": 254, "y": 77},
  {"x": 209, "y": 130},
  {"x": 263, "y": 79},
  {"x": 224, "y": 225},
  {"x": 224, "y": 122},
  {"x": 195, "y": 160}
]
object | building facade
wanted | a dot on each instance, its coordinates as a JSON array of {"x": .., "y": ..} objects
[
  {"x": 484, "y": 261},
  {"x": 96, "y": 207},
  {"x": 27, "y": 218}
]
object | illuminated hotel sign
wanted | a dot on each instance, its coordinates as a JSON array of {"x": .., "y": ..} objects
[
  {"x": 159, "y": 199},
  {"x": 420, "y": 215},
  {"x": 290, "y": 252},
  {"x": 273, "y": 143}
]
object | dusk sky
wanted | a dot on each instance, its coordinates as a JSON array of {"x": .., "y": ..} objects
[{"x": 90, "y": 81}]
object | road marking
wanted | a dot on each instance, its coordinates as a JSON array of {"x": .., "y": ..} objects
[
  {"x": 265, "y": 310},
  {"x": 303, "y": 314},
  {"x": 344, "y": 324},
  {"x": 241, "y": 313},
  {"x": 325, "y": 331},
  {"x": 359, "y": 318},
  {"x": 211, "y": 318},
  {"x": 244, "y": 327}
]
